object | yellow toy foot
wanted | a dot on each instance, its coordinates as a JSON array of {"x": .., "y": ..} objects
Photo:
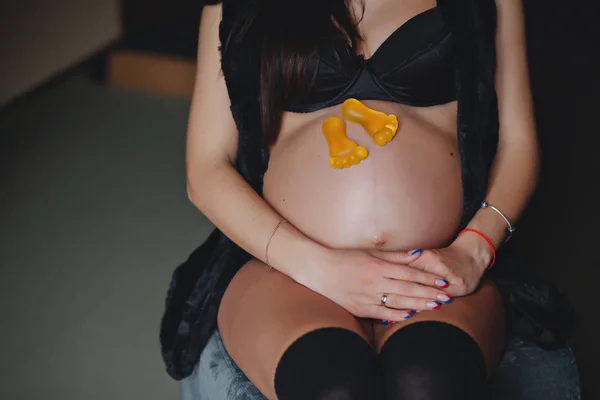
[
  {"x": 343, "y": 152},
  {"x": 380, "y": 126}
]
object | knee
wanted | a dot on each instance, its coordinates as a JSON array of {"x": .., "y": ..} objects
[
  {"x": 432, "y": 360},
  {"x": 328, "y": 364}
]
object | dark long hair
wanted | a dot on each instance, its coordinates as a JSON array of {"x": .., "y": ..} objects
[{"x": 288, "y": 33}]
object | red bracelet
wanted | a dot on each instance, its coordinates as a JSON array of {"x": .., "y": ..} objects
[{"x": 488, "y": 241}]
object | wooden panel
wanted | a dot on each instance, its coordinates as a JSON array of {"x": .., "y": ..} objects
[{"x": 151, "y": 72}]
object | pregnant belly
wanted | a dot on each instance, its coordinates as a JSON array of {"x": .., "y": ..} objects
[{"x": 404, "y": 195}]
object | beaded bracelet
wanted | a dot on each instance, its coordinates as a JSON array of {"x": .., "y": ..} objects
[{"x": 488, "y": 241}]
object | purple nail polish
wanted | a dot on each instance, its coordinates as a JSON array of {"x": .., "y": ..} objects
[
  {"x": 413, "y": 252},
  {"x": 433, "y": 305},
  {"x": 444, "y": 298},
  {"x": 442, "y": 283}
]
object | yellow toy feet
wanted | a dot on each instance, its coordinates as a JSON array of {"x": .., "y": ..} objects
[
  {"x": 343, "y": 152},
  {"x": 380, "y": 126}
]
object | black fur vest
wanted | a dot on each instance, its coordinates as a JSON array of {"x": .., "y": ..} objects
[{"x": 199, "y": 283}]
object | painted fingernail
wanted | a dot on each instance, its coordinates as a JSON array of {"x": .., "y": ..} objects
[
  {"x": 433, "y": 305},
  {"x": 442, "y": 283},
  {"x": 384, "y": 322},
  {"x": 407, "y": 316},
  {"x": 444, "y": 298},
  {"x": 413, "y": 252}
]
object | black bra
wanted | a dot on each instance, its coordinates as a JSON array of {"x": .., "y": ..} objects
[{"x": 413, "y": 66}]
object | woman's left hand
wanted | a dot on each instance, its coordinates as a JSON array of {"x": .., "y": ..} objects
[{"x": 462, "y": 264}]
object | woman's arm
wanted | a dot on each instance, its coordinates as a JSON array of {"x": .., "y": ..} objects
[
  {"x": 214, "y": 185},
  {"x": 515, "y": 168},
  {"x": 350, "y": 278}
]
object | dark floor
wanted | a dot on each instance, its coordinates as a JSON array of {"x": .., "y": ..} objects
[{"x": 93, "y": 217}]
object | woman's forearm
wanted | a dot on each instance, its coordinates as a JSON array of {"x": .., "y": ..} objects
[
  {"x": 512, "y": 180},
  {"x": 515, "y": 168},
  {"x": 513, "y": 177},
  {"x": 227, "y": 200}
]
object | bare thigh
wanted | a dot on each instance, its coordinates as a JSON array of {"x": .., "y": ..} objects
[
  {"x": 264, "y": 311},
  {"x": 480, "y": 314}
]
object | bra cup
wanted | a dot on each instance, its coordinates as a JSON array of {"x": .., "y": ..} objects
[
  {"x": 426, "y": 80},
  {"x": 413, "y": 66}
]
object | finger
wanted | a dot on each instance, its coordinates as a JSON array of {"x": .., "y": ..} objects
[
  {"x": 397, "y": 257},
  {"x": 413, "y": 290},
  {"x": 387, "y": 314},
  {"x": 411, "y": 274},
  {"x": 431, "y": 265},
  {"x": 411, "y": 303}
]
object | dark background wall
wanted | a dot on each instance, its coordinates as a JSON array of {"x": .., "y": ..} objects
[
  {"x": 39, "y": 38},
  {"x": 161, "y": 26},
  {"x": 559, "y": 231}
]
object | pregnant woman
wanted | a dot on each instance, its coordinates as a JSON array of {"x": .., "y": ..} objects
[{"x": 368, "y": 281}]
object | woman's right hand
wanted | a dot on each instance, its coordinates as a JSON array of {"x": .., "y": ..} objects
[{"x": 358, "y": 279}]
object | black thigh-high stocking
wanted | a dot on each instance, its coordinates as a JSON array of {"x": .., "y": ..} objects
[
  {"x": 432, "y": 360},
  {"x": 329, "y": 364}
]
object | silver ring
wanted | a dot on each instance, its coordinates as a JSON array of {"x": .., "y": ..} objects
[{"x": 384, "y": 299}]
